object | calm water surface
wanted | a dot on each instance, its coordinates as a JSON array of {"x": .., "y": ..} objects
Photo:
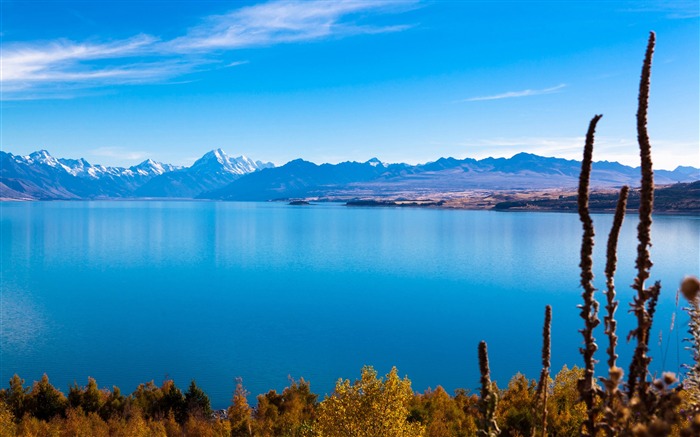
[{"x": 128, "y": 292}]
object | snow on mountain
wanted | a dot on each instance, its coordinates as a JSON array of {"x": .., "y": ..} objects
[
  {"x": 374, "y": 162},
  {"x": 41, "y": 176},
  {"x": 217, "y": 160},
  {"x": 83, "y": 169},
  {"x": 80, "y": 168},
  {"x": 150, "y": 167},
  {"x": 214, "y": 170},
  {"x": 40, "y": 157},
  {"x": 219, "y": 176}
]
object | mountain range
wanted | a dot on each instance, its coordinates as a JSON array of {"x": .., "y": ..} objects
[{"x": 40, "y": 176}]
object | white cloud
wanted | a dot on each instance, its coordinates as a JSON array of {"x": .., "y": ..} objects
[
  {"x": 24, "y": 62},
  {"x": 513, "y": 94},
  {"x": 119, "y": 153},
  {"x": 36, "y": 70},
  {"x": 282, "y": 22}
]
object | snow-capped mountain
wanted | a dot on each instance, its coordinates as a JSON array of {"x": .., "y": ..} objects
[
  {"x": 212, "y": 171},
  {"x": 218, "y": 161},
  {"x": 150, "y": 167},
  {"x": 81, "y": 168},
  {"x": 42, "y": 176},
  {"x": 219, "y": 176}
]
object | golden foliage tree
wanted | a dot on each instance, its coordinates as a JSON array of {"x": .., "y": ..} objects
[
  {"x": 239, "y": 412},
  {"x": 515, "y": 408},
  {"x": 443, "y": 415},
  {"x": 7, "y": 420},
  {"x": 369, "y": 407},
  {"x": 288, "y": 414},
  {"x": 566, "y": 410}
]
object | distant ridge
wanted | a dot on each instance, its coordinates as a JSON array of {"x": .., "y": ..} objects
[
  {"x": 524, "y": 171},
  {"x": 216, "y": 175}
]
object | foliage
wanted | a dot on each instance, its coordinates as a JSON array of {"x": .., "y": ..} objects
[
  {"x": 369, "y": 407},
  {"x": 7, "y": 420},
  {"x": 197, "y": 403},
  {"x": 515, "y": 408},
  {"x": 444, "y": 415},
  {"x": 288, "y": 414},
  {"x": 566, "y": 411},
  {"x": 89, "y": 398},
  {"x": 44, "y": 401},
  {"x": 15, "y": 397},
  {"x": 239, "y": 413}
]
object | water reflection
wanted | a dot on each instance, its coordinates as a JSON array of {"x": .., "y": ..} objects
[{"x": 130, "y": 291}]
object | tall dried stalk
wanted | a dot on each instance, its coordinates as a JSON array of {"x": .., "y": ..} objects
[
  {"x": 541, "y": 395},
  {"x": 589, "y": 309},
  {"x": 610, "y": 267},
  {"x": 489, "y": 396},
  {"x": 612, "y": 401},
  {"x": 636, "y": 384}
]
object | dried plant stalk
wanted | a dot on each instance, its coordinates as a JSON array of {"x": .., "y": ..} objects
[
  {"x": 489, "y": 396},
  {"x": 589, "y": 309},
  {"x": 610, "y": 267},
  {"x": 612, "y": 402},
  {"x": 640, "y": 361},
  {"x": 541, "y": 395}
]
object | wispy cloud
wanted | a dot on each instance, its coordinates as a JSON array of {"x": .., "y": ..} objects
[
  {"x": 34, "y": 62},
  {"x": 514, "y": 94},
  {"x": 673, "y": 10},
  {"x": 236, "y": 63},
  {"x": 118, "y": 153},
  {"x": 284, "y": 22},
  {"x": 51, "y": 68}
]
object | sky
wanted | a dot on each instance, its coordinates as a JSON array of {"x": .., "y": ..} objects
[{"x": 117, "y": 82}]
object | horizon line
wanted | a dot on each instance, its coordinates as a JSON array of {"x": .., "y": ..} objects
[{"x": 182, "y": 167}]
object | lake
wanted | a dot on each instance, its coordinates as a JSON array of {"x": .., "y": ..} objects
[{"x": 133, "y": 291}]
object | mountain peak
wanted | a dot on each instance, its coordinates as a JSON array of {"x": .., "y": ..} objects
[
  {"x": 525, "y": 155},
  {"x": 375, "y": 162},
  {"x": 41, "y": 152},
  {"x": 151, "y": 167},
  {"x": 42, "y": 157},
  {"x": 219, "y": 162},
  {"x": 216, "y": 155}
]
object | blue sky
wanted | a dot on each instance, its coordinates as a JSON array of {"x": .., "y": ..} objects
[{"x": 117, "y": 82}]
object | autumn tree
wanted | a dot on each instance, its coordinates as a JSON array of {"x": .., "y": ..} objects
[
  {"x": 89, "y": 398},
  {"x": 443, "y": 415},
  {"x": 290, "y": 413},
  {"x": 16, "y": 397},
  {"x": 173, "y": 402},
  {"x": 239, "y": 412},
  {"x": 515, "y": 409},
  {"x": 369, "y": 407},
  {"x": 114, "y": 405},
  {"x": 566, "y": 411},
  {"x": 45, "y": 401},
  {"x": 7, "y": 420},
  {"x": 146, "y": 399}
]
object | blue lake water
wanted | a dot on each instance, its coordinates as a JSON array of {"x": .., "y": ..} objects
[{"x": 129, "y": 292}]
